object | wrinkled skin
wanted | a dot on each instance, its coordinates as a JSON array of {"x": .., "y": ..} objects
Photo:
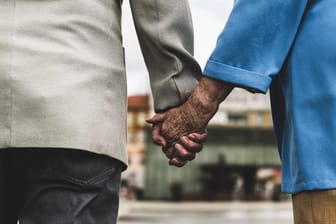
[
  {"x": 182, "y": 151},
  {"x": 182, "y": 130}
]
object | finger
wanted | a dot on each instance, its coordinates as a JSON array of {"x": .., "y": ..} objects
[
  {"x": 157, "y": 118},
  {"x": 190, "y": 145},
  {"x": 177, "y": 162},
  {"x": 183, "y": 153},
  {"x": 157, "y": 137},
  {"x": 199, "y": 138},
  {"x": 169, "y": 152}
]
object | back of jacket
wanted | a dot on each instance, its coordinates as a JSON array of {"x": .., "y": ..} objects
[{"x": 62, "y": 70}]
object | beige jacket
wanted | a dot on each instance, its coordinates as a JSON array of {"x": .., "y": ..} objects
[{"x": 62, "y": 70}]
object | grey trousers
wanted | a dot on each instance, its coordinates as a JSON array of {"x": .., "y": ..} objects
[{"x": 56, "y": 186}]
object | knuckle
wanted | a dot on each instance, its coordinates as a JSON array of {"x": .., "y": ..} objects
[
  {"x": 194, "y": 146},
  {"x": 183, "y": 154},
  {"x": 191, "y": 157},
  {"x": 155, "y": 140},
  {"x": 169, "y": 153},
  {"x": 180, "y": 164},
  {"x": 198, "y": 148}
]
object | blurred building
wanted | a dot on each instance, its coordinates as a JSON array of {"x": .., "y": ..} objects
[
  {"x": 133, "y": 177},
  {"x": 226, "y": 169},
  {"x": 244, "y": 109},
  {"x": 138, "y": 111}
]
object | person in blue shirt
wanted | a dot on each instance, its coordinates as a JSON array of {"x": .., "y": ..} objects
[{"x": 288, "y": 46}]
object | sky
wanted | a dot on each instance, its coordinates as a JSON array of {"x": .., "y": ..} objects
[{"x": 209, "y": 20}]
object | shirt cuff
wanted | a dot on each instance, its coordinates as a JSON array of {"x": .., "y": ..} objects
[{"x": 237, "y": 76}]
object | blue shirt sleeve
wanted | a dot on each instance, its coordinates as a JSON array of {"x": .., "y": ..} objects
[{"x": 255, "y": 42}]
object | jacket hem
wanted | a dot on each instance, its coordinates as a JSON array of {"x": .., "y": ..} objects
[{"x": 109, "y": 153}]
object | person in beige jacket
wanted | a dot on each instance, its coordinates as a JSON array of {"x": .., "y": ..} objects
[{"x": 63, "y": 101}]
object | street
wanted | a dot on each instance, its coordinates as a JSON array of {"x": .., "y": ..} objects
[{"x": 200, "y": 213}]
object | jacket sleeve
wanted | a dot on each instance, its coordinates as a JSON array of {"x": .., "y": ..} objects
[
  {"x": 255, "y": 42},
  {"x": 165, "y": 33}
]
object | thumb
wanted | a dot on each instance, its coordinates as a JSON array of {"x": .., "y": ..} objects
[{"x": 157, "y": 118}]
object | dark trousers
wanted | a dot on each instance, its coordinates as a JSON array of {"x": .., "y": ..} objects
[{"x": 57, "y": 186}]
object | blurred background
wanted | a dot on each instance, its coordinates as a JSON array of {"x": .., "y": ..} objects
[{"x": 237, "y": 176}]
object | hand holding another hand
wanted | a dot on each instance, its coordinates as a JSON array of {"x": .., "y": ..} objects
[
  {"x": 182, "y": 130},
  {"x": 183, "y": 150}
]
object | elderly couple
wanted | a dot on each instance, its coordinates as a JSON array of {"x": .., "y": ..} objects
[{"x": 63, "y": 98}]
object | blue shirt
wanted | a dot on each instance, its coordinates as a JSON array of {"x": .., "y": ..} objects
[{"x": 289, "y": 46}]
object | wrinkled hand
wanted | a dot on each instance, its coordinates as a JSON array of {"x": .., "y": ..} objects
[
  {"x": 180, "y": 130},
  {"x": 182, "y": 121},
  {"x": 183, "y": 151},
  {"x": 194, "y": 115}
]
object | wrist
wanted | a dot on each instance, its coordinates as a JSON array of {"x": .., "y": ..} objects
[
  {"x": 214, "y": 90},
  {"x": 202, "y": 104},
  {"x": 208, "y": 95}
]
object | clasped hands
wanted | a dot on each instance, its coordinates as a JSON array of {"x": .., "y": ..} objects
[
  {"x": 181, "y": 131},
  {"x": 170, "y": 130}
]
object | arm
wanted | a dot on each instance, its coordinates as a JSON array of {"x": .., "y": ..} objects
[
  {"x": 165, "y": 34},
  {"x": 255, "y": 42},
  {"x": 249, "y": 53}
]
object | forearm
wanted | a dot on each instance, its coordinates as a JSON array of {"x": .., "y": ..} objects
[
  {"x": 208, "y": 95},
  {"x": 165, "y": 34}
]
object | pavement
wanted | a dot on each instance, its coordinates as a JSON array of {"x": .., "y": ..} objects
[{"x": 132, "y": 212}]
